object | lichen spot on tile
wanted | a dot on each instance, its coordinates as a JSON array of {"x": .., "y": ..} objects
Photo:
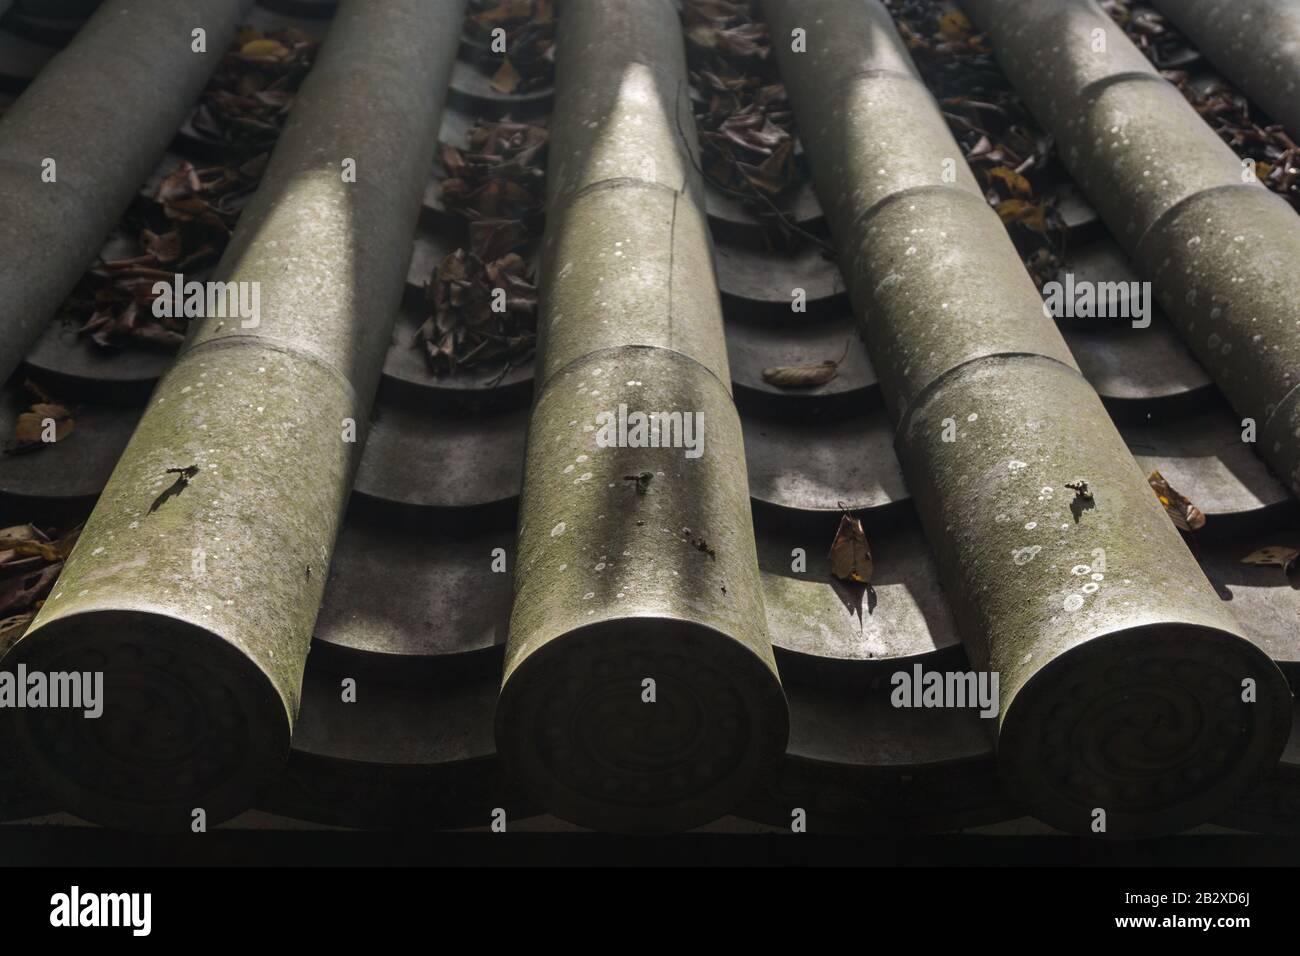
[{"x": 1026, "y": 554}]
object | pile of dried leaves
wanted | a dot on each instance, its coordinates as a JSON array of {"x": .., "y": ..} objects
[
  {"x": 481, "y": 302},
  {"x": 30, "y": 562},
  {"x": 186, "y": 230},
  {"x": 249, "y": 96},
  {"x": 502, "y": 176},
  {"x": 1229, "y": 113},
  {"x": 1010, "y": 154},
  {"x": 744, "y": 122},
  {"x": 194, "y": 211},
  {"x": 479, "y": 312},
  {"x": 525, "y": 61}
]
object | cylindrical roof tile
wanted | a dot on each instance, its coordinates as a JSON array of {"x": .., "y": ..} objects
[
  {"x": 640, "y": 689},
  {"x": 102, "y": 111},
  {"x": 1067, "y": 597},
  {"x": 195, "y": 591},
  {"x": 1218, "y": 247}
]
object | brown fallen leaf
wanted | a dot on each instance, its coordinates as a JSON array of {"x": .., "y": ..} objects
[
  {"x": 850, "y": 554},
  {"x": 776, "y": 173},
  {"x": 1180, "y": 509},
  {"x": 42, "y": 424},
  {"x": 16, "y": 534},
  {"x": 12, "y": 628},
  {"x": 30, "y": 562},
  {"x": 165, "y": 248},
  {"x": 801, "y": 376},
  {"x": 1275, "y": 555},
  {"x": 955, "y": 26},
  {"x": 1029, "y": 214},
  {"x": 265, "y": 50},
  {"x": 20, "y": 591},
  {"x": 507, "y": 78},
  {"x": 464, "y": 326},
  {"x": 1011, "y": 179},
  {"x": 808, "y": 375},
  {"x": 25, "y": 545}
]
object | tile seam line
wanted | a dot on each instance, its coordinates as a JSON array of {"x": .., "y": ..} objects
[
  {"x": 565, "y": 200},
  {"x": 927, "y": 391},
  {"x": 907, "y": 192},
  {"x": 880, "y": 71},
  {"x": 1093, "y": 88},
  {"x": 1179, "y": 205},
  {"x": 254, "y": 341},
  {"x": 546, "y": 384}
]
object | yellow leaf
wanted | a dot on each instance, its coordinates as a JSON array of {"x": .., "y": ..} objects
[
  {"x": 264, "y": 50},
  {"x": 954, "y": 26},
  {"x": 32, "y": 424},
  {"x": 47, "y": 551},
  {"x": 1031, "y": 215},
  {"x": 703, "y": 35},
  {"x": 1013, "y": 180},
  {"x": 507, "y": 79}
]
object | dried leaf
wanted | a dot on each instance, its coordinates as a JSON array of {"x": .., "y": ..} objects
[
  {"x": 14, "y": 627},
  {"x": 165, "y": 248},
  {"x": 264, "y": 50},
  {"x": 954, "y": 26},
  {"x": 1029, "y": 214},
  {"x": 776, "y": 173},
  {"x": 801, "y": 376},
  {"x": 1275, "y": 555},
  {"x": 17, "y": 534},
  {"x": 507, "y": 78},
  {"x": 808, "y": 375},
  {"x": 34, "y": 425},
  {"x": 493, "y": 238},
  {"x": 850, "y": 554},
  {"x": 1014, "y": 181},
  {"x": 1183, "y": 513},
  {"x": 21, "y": 591}
]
